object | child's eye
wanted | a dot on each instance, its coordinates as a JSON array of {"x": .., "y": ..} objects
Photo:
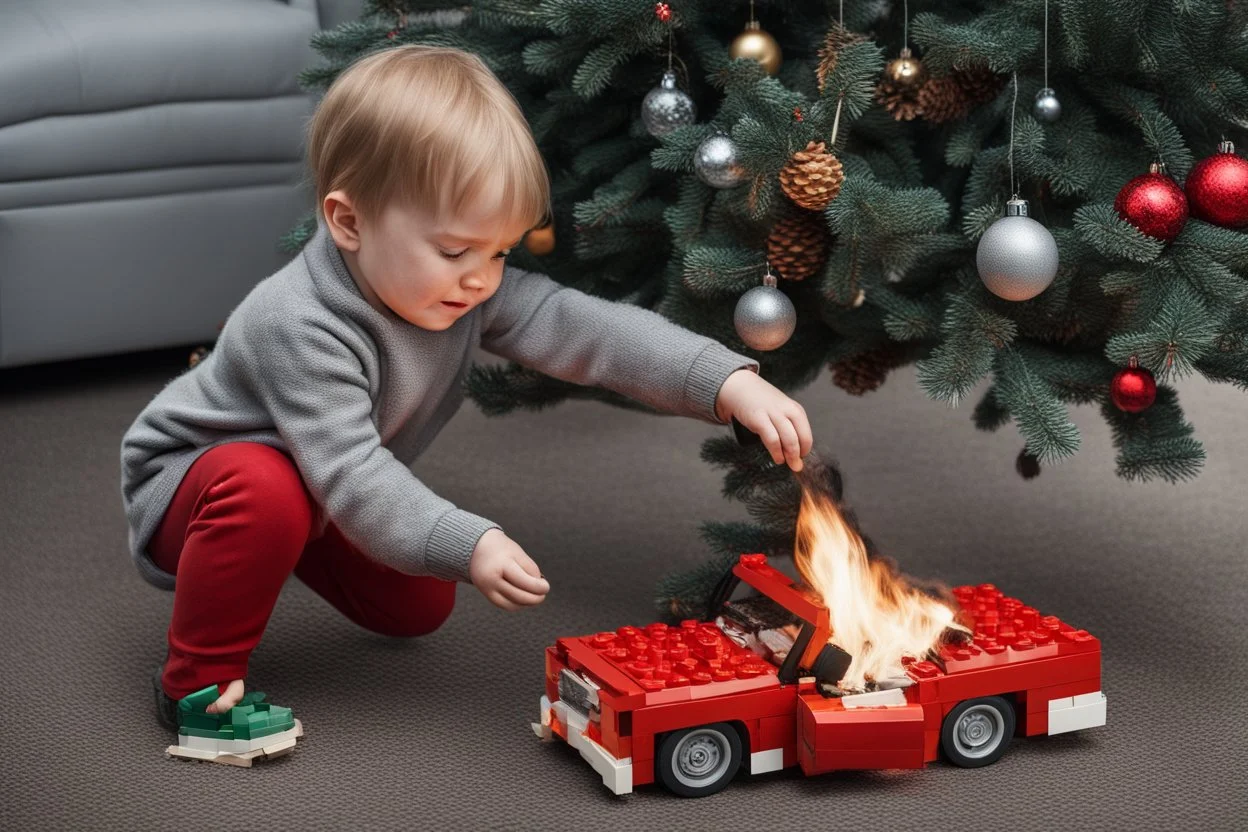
[
  {"x": 453, "y": 256},
  {"x": 502, "y": 254}
]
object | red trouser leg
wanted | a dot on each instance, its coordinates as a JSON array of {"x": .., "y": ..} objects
[{"x": 237, "y": 526}]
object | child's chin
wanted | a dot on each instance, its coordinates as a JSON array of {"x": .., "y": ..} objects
[{"x": 431, "y": 322}]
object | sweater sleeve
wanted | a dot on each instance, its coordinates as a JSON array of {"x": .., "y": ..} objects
[
  {"x": 315, "y": 389},
  {"x": 573, "y": 336}
]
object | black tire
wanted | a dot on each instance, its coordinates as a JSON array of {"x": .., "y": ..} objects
[
  {"x": 977, "y": 732},
  {"x": 696, "y": 762}
]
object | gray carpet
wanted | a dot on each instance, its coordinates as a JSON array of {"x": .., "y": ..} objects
[{"x": 434, "y": 732}]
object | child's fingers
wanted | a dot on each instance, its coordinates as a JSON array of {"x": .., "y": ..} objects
[
  {"x": 771, "y": 439},
  {"x": 804, "y": 435},
  {"x": 499, "y": 600},
  {"x": 232, "y": 696},
  {"x": 528, "y": 564},
  {"x": 519, "y": 597},
  {"x": 790, "y": 446},
  {"x": 515, "y": 575}
]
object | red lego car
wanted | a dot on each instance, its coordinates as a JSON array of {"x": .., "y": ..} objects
[{"x": 691, "y": 705}]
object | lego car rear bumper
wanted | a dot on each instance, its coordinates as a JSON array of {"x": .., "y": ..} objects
[
  {"x": 557, "y": 719},
  {"x": 1074, "y": 713}
]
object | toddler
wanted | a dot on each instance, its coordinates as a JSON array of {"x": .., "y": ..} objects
[{"x": 287, "y": 449}]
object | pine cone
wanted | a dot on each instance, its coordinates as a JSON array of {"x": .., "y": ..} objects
[
  {"x": 942, "y": 99},
  {"x": 902, "y": 102},
  {"x": 979, "y": 84},
  {"x": 798, "y": 245},
  {"x": 812, "y": 178},
  {"x": 867, "y": 371},
  {"x": 834, "y": 41}
]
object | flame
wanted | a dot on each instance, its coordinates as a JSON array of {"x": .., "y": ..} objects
[{"x": 877, "y": 615}]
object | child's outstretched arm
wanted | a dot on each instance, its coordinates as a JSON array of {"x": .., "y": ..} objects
[{"x": 577, "y": 337}]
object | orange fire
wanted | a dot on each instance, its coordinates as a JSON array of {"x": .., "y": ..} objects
[{"x": 877, "y": 616}]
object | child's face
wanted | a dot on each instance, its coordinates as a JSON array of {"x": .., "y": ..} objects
[{"x": 421, "y": 269}]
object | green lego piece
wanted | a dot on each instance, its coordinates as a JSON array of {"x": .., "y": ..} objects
[{"x": 251, "y": 718}]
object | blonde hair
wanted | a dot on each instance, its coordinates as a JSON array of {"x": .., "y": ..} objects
[{"x": 431, "y": 127}]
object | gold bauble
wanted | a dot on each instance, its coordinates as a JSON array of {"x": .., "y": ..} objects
[
  {"x": 905, "y": 71},
  {"x": 540, "y": 241},
  {"x": 759, "y": 45}
]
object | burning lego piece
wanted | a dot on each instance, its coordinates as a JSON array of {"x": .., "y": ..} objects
[{"x": 878, "y": 616}]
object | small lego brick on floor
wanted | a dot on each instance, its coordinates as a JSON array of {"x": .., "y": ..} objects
[
  {"x": 197, "y": 748},
  {"x": 251, "y": 729}
]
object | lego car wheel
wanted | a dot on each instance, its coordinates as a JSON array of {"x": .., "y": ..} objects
[
  {"x": 977, "y": 732},
  {"x": 696, "y": 762}
]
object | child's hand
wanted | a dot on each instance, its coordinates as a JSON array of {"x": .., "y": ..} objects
[
  {"x": 761, "y": 407},
  {"x": 504, "y": 574}
]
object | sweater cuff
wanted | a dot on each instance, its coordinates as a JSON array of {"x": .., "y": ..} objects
[
  {"x": 708, "y": 373},
  {"x": 450, "y": 544}
]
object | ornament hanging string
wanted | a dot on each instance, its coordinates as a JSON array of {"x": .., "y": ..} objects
[
  {"x": 1046, "y": 44},
  {"x": 1013, "y": 107},
  {"x": 840, "y": 99}
]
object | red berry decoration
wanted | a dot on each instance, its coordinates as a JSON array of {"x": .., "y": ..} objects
[
  {"x": 1217, "y": 188},
  {"x": 663, "y": 11},
  {"x": 1153, "y": 203},
  {"x": 1133, "y": 388}
]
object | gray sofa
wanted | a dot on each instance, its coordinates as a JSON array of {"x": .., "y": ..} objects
[{"x": 151, "y": 155}]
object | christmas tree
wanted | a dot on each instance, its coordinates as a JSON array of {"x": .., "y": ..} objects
[{"x": 1043, "y": 196}]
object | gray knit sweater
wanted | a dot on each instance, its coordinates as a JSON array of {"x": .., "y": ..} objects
[{"x": 354, "y": 395}]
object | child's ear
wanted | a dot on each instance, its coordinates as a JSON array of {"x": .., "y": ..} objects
[{"x": 342, "y": 219}]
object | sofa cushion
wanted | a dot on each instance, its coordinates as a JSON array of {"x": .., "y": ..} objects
[{"x": 61, "y": 57}]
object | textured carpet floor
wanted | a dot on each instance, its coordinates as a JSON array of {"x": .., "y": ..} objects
[{"x": 433, "y": 733}]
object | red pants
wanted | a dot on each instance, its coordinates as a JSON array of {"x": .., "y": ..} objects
[{"x": 238, "y": 525}]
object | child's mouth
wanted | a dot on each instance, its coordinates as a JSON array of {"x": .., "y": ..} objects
[{"x": 453, "y": 304}]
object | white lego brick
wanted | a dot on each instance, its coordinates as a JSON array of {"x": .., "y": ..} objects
[
  {"x": 1088, "y": 698},
  {"x": 1061, "y": 704},
  {"x": 273, "y": 745},
  {"x": 617, "y": 773},
  {"x": 216, "y": 746},
  {"x": 764, "y": 761},
  {"x": 542, "y": 726},
  {"x": 1088, "y": 715},
  {"x": 875, "y": 699}
]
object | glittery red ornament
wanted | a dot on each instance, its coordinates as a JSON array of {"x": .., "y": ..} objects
[
  {"x": 663, "y": 11},
  {"x": 1133, "y": 388},
  {"x": 1153, "y": 203},
  {"x": 1217, "y": 188}
]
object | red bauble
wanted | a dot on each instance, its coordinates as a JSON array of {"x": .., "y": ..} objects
[
  {"x": 1217, "y": 188},
  {"x": 1153, "y": 203},
  {"x": 1133, "y": 389},
  {"x": 663, "y": 12}
]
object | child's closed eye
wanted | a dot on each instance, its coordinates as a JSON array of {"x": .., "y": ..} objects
[{"x": 458, "y": 254}]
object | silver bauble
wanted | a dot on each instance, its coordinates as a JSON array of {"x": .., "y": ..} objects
[
  {"x": 765, "y": 317},
  {"x": 665, "y": 108},
  {"x": 716, "y": 162},
  {"x": 1047, "y": 107},
  {"x": 1017, "y": 256}
]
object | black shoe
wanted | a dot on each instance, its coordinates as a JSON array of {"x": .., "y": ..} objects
[{"x": 166, "y": 705}]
